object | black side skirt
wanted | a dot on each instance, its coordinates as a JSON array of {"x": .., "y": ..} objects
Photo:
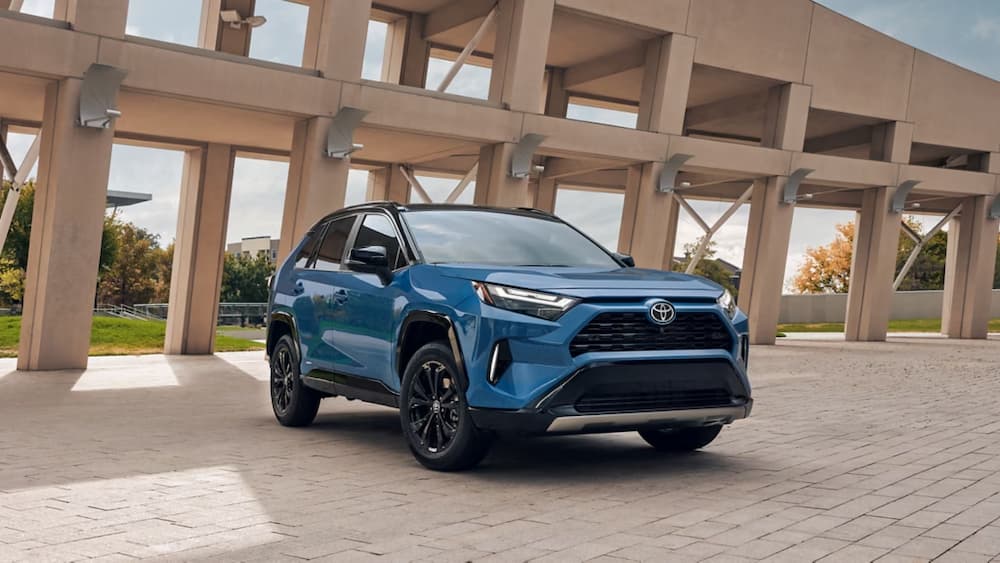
[{"x": 352, "y": 387}]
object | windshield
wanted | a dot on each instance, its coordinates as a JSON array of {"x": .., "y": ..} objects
[{"x": 504, "y": 239}]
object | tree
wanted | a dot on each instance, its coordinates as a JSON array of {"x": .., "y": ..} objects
[
  {"x": 708, "y": 266},
  {"x": 827, "y": 269},
  {"x": 244, "y": 278},
  {"x": 131, "y": 278},
  {"x": 14, "y": 259}
]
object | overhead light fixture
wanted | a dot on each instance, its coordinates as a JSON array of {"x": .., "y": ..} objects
[{"x": 237, "y": 21}]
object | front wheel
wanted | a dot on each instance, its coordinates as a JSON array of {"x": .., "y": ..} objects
[
  {"x": 434, "y": 414},
  {"x": 293, "y": 403},
  {"x": 680, "y": 439}
]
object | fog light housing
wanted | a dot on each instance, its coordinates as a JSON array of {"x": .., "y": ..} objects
[{"x": 500, "y": 360}]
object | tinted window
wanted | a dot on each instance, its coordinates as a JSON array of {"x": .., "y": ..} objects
[
  {"x": 332, "y": 251},
  {"x": 312, "y": 239},
  {"x": 377, "y": 230},
  {"x": 503, "y": 239}
]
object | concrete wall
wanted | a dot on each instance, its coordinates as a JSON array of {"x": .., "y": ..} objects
[{"x": 832, "y": 307}]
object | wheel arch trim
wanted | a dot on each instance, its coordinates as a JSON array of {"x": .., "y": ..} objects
[{"x": 445, "y": 322}]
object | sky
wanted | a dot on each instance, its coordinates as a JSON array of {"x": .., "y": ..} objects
[{"x": 966, "y": 32}]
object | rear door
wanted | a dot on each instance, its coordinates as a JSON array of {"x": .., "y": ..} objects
[
  {"x": 369, "y": 303},
  {"x": 320, "y": 297}
]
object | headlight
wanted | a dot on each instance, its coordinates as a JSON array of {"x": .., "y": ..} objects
[
  {"x": 727, "y": 303},
  {"x": 543, "y": 305}
]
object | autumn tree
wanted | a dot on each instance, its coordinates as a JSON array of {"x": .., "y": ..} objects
[
  {"x": 130, "y": 279},
  {"x": 827, "y": 269}
]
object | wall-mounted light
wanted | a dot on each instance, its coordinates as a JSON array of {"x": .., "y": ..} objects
[{"x": 237, "y": 21}]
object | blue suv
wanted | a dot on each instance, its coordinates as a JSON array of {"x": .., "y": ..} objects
[{"x": 476, "y": 321}]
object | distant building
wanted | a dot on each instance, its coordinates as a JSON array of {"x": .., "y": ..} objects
[{"x": 255, "y": 246}]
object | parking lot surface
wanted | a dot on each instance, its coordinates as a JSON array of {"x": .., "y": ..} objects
[{"x": 854, "y": 452}]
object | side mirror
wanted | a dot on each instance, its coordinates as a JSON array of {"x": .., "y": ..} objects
[
  {"x": 372, "y": 256},
  {"x": 371, "y": 259},
  {"x": 625, "y": 259}
]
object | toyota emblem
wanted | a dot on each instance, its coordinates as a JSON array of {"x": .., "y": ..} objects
[{"x": 662, "y": 313}]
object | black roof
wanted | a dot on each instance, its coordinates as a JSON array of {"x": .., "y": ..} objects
[{"x": 395, "y": 208}]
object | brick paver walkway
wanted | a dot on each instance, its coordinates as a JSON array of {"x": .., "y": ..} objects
[{"x": 855, "y": 452}]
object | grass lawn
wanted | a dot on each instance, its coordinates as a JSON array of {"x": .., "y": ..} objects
[
  {"x": 118, "y": 337},
  {"x": 919, "y": 325}
]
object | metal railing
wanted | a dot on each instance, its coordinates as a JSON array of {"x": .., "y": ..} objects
[{"x": 229, "y": 313}]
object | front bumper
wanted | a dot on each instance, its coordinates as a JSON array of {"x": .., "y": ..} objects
[{"x": 612, "y": 397}]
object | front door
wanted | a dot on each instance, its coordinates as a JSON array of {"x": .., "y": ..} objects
[{"x": 367, "y": 341}]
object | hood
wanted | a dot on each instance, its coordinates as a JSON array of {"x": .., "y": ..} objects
[{"x": 590, "y": 282}]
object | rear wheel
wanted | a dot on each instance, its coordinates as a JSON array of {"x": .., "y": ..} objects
[
  {"x": 434, "y": 414},
  {"x": 680, "y": 439},
  {"x": 293, "y": 403}
]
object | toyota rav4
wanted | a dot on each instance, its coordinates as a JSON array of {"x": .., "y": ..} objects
[{"x": 476, "y": 321}]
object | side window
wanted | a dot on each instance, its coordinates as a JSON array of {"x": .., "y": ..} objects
[
  {"x": 377, "y": 230},
  {"x": 302, "y": 260},
  {"x": 332, "y": 250}
]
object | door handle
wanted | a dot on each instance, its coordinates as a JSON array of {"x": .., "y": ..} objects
[{"x": 298, "y": 289}]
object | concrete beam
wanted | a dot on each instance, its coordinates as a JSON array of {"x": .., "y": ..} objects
[
  {"x": 873, "y": 267},
  {"x": 66, "y": 230},
  {"x": 606, "y": 65},
  {"x": 100, "y": 17},
  {"x": 335, "y": 38},
  {"x": 648, "y": 230},
  {"x": 196, "y": 277},
  {"x": 494, "y": 185},
  {"x": 786, "y": 116},
  {"x": 388, "y": 184},
  {"x": 522, "y": 36},
  {"x": 562, "y": 167},
  {"x": 727, "y": 109},
  {"x": 407, "y": 53},
  {"x": 892, "y": 142},
  {"x": 217, "y": 35},
  {"x": 317, "y": 185},
  {"x": 455, "y": 14},
  {"x": 669, "y": 62},
  {"x": 972, "y": 247},
  {"x": 768, "y": 233},
  {"x": 859, "y": 136}
]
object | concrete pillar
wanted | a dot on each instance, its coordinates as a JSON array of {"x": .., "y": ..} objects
[
  {"x": 876, "y": 243},
  {"x": 522, "y": 39},
  {"x": 873, "y": 267},
  {"x": 969, "y": 270},
  {"x": 388, "y": 184},
  {"x": 666, "y": 80},
  {"x": 891, "y": 142},
  {"x": 494, "y": 184},
  {"x": 100, "y": 17},
  {"x": 407, "y": 53},
  {"x": 545, "y": 196},
  {"x": 766, "y": 250},
  {"x": 317, "y": 185},
  {"x": 648, "y": 229},
  {"x": 335, "y": 38},
  {"x": 216, "y": 35},
  {"x": 556, "y": 98},
  {"x": 66, "y": 230},
  {"x": 196, "y": 276},
  {"x": 785, "y": 117}
]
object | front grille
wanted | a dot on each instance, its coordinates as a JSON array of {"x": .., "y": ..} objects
[
  {"x": 633, "y": 332},
  {"x": 607, "y": 400}
]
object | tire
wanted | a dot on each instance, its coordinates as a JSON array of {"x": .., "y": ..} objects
[
  {"x": 680, "y": 439},
  {"x": 293, "y": 403},
  {"x": 435, "y": 415}
]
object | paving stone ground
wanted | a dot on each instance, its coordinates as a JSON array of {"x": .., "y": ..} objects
[{"x": 854, "y": 452}]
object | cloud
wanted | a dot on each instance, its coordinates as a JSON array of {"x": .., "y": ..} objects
[{"x": 987, "y": 29}]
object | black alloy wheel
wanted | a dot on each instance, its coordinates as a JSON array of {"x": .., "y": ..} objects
[
  {"x": 434, "y": 414},
  {"x": 293, "y": 403}
]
